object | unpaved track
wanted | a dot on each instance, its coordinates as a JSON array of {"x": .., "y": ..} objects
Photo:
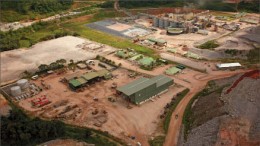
[{"x": 175, "y": 124}]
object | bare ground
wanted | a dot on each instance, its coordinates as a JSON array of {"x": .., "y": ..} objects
[{"x": 140, "y": 121}]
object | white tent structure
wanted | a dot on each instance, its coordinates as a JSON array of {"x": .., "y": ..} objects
[{"x": 228, "y": 65}]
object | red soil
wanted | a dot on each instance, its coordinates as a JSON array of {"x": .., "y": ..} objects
[{"x": 254, "y": 74}]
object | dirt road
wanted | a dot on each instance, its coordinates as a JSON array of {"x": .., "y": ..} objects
[
  {"x": 175, "y": 124},
  {"x": 197, "y": 82}
]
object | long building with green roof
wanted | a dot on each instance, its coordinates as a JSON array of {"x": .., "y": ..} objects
[
  {"x": 142, "y": 89},
  {"x": 76, "y": 82}
]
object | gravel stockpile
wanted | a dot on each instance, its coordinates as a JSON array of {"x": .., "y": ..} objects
[
  {"x": 240, "y": 123},
  {"x": 204, "y": 135}
]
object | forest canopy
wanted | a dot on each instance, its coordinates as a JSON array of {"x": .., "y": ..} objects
[{"x": 40, "y": 6}]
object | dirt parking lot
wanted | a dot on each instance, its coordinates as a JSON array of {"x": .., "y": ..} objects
[{"x": 80, "y": 108}]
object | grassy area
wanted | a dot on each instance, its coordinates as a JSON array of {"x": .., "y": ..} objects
[
  {"x": 30, "y": 35},
  {"x": 167, "y": 119},
  {"x": 105, "y": 38},
  {"x": 209, "y": 45},
  {"x": 157, "y": 141}
]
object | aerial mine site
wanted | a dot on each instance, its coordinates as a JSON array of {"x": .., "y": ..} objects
[{"x": 130, "y": 73}]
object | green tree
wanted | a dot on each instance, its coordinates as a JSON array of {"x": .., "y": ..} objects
[{"x": 43, "y": 67}]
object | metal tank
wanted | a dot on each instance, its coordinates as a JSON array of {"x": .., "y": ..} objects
[
  {"x": 166, "y": 23},
  {"x": 171, "y": 23},
  {"x": 155, "y": 22},
  {"x": 23, "y": 83},
  {"x": 161, "y": 23},
  {"x": 16, "y": 91}
]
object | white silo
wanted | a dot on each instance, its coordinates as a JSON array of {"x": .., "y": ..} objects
[
  {"x": 16, "y": 91},
  {"x": 23, "y": 83}
]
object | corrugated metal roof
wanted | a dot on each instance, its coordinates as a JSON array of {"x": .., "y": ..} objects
[
  {"x": 81, "y": 80},
  {"x": 146, "y": 61},
  {"x": 74, "y": 82},
  {"x": 157, "y": 40},
  {"x": 134, "y": 86},
  {"x": 102, "y": 72},
  {"x": 69, "y": 77},
  {"x": 161, "y": 80},
  {"x": 121, "y": 53},
  {"x": 142, "y": 83},
  {"x": 223, "y": 65},
  {"x": 172, "y": 70},
  {"x": 90, "y": 75}
]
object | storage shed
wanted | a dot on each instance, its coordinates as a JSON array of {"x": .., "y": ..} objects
[
  {"x": 81, "y": 80},
  {"x": 228, "y": 65},
  {"x": 158, "y": 42},
  {"x": 142, "y": 89}
]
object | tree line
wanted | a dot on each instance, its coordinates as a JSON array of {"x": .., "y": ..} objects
[
  {"x": 217, "y": 5},
  {"x": 18, "y": 129},
  {"x": 14, "y": 39},
  {"x": 40, "y": 6}
]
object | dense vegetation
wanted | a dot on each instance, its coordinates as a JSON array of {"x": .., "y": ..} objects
[
  {"x": 253, "y": 56},
  {"x": 29, "y": 36},
  {"x": 31, "y": 9},
  {"x": 217, "y": 5},
  {"x": 147, "y": 3},
  {"x": 209, "y": 45},
  {"x": 40, "y": 6},
  {"x": 18, "y": 129}
]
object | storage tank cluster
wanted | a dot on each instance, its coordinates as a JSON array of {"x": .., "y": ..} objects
[
  {"x": 16, "y": 91},
  {"x": 163, "y": 23},
  {"x": 21, "y": 85}
]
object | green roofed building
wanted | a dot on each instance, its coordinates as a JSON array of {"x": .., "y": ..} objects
[
  {"x": 90, "y": 75},
  {"x": 142, "y": 89},
  {"x": 172, "y": 50},
  {"x": 81, "y": 80},
  {"x": 146, "y": 61},
  {"x": 122, "y": 53},
  {"x": 192, "y": 55},
  {"x": 158, "y": 42},
  {"x": 74, "y": 84},
  {"x": 172, "y": 71}
]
